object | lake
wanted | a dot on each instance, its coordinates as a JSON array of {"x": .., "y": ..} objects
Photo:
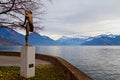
[{"x": 99, "y": 62}]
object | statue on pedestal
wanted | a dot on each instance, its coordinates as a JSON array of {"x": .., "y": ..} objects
[
  {"x": 28, "y": 24},
  {"x": 27, "y": 67}
]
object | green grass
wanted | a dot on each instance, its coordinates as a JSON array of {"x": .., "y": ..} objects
[{"x": 41, "y": 73}]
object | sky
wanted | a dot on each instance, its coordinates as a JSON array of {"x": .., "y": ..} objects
[{"x": 81, "y": 17}]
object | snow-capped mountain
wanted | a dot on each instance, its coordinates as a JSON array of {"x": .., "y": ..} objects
[
  {"x": 70, "y": 41},
  {"x": 103, "y": 39}
]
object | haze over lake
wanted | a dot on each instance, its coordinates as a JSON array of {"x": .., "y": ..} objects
[{"x": 99, "y": 62}]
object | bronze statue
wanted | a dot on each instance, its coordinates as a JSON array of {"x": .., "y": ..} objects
[{"x": 28, "y": 24}]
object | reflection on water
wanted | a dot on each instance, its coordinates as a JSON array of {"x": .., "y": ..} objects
[{"x": 99, "y": 62}]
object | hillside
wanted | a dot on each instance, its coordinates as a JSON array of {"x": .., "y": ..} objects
[{"x": 10, "y": 37}]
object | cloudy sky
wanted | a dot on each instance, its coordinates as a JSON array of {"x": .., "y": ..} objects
[{"x": 81, "y": 17}]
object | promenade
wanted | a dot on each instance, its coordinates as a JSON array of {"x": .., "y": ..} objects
[
  {"x": 68, "y": 70},
  {"x": 15, "y": 61}
]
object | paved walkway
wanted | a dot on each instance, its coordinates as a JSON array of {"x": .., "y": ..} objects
[{"x": 15, "y": 61}]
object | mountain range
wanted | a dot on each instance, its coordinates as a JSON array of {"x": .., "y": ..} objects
[
  {"x": 9, "y": 36},
  {"x": 103, "y": 39}
]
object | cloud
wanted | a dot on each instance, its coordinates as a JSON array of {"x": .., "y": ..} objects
[{"x": 67, "y": 17}]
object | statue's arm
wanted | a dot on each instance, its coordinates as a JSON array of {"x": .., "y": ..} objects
[
  {"x": 23, "y": 25},
  {"x": 25, "y": 21}
]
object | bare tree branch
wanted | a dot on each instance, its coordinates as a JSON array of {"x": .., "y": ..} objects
[
  {"x": 13, "y": 3},
  {"x": 12, "y": 11}
]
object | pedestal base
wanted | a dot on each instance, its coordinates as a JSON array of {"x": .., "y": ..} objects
[{"x": 27, "y": 61}]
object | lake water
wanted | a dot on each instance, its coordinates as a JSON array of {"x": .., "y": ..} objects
[{"x": 99, "y": 62}]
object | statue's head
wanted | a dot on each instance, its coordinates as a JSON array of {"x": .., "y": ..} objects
[{"x": 28, "y": 12}]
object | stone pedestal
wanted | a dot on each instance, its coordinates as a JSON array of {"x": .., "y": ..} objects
[{"x": 27, "y": 68}]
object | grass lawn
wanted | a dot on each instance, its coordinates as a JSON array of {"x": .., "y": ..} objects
[{"x": 41, "y": 73}]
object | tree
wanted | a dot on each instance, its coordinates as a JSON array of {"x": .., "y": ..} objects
[{"x": 12, "y": 11}]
